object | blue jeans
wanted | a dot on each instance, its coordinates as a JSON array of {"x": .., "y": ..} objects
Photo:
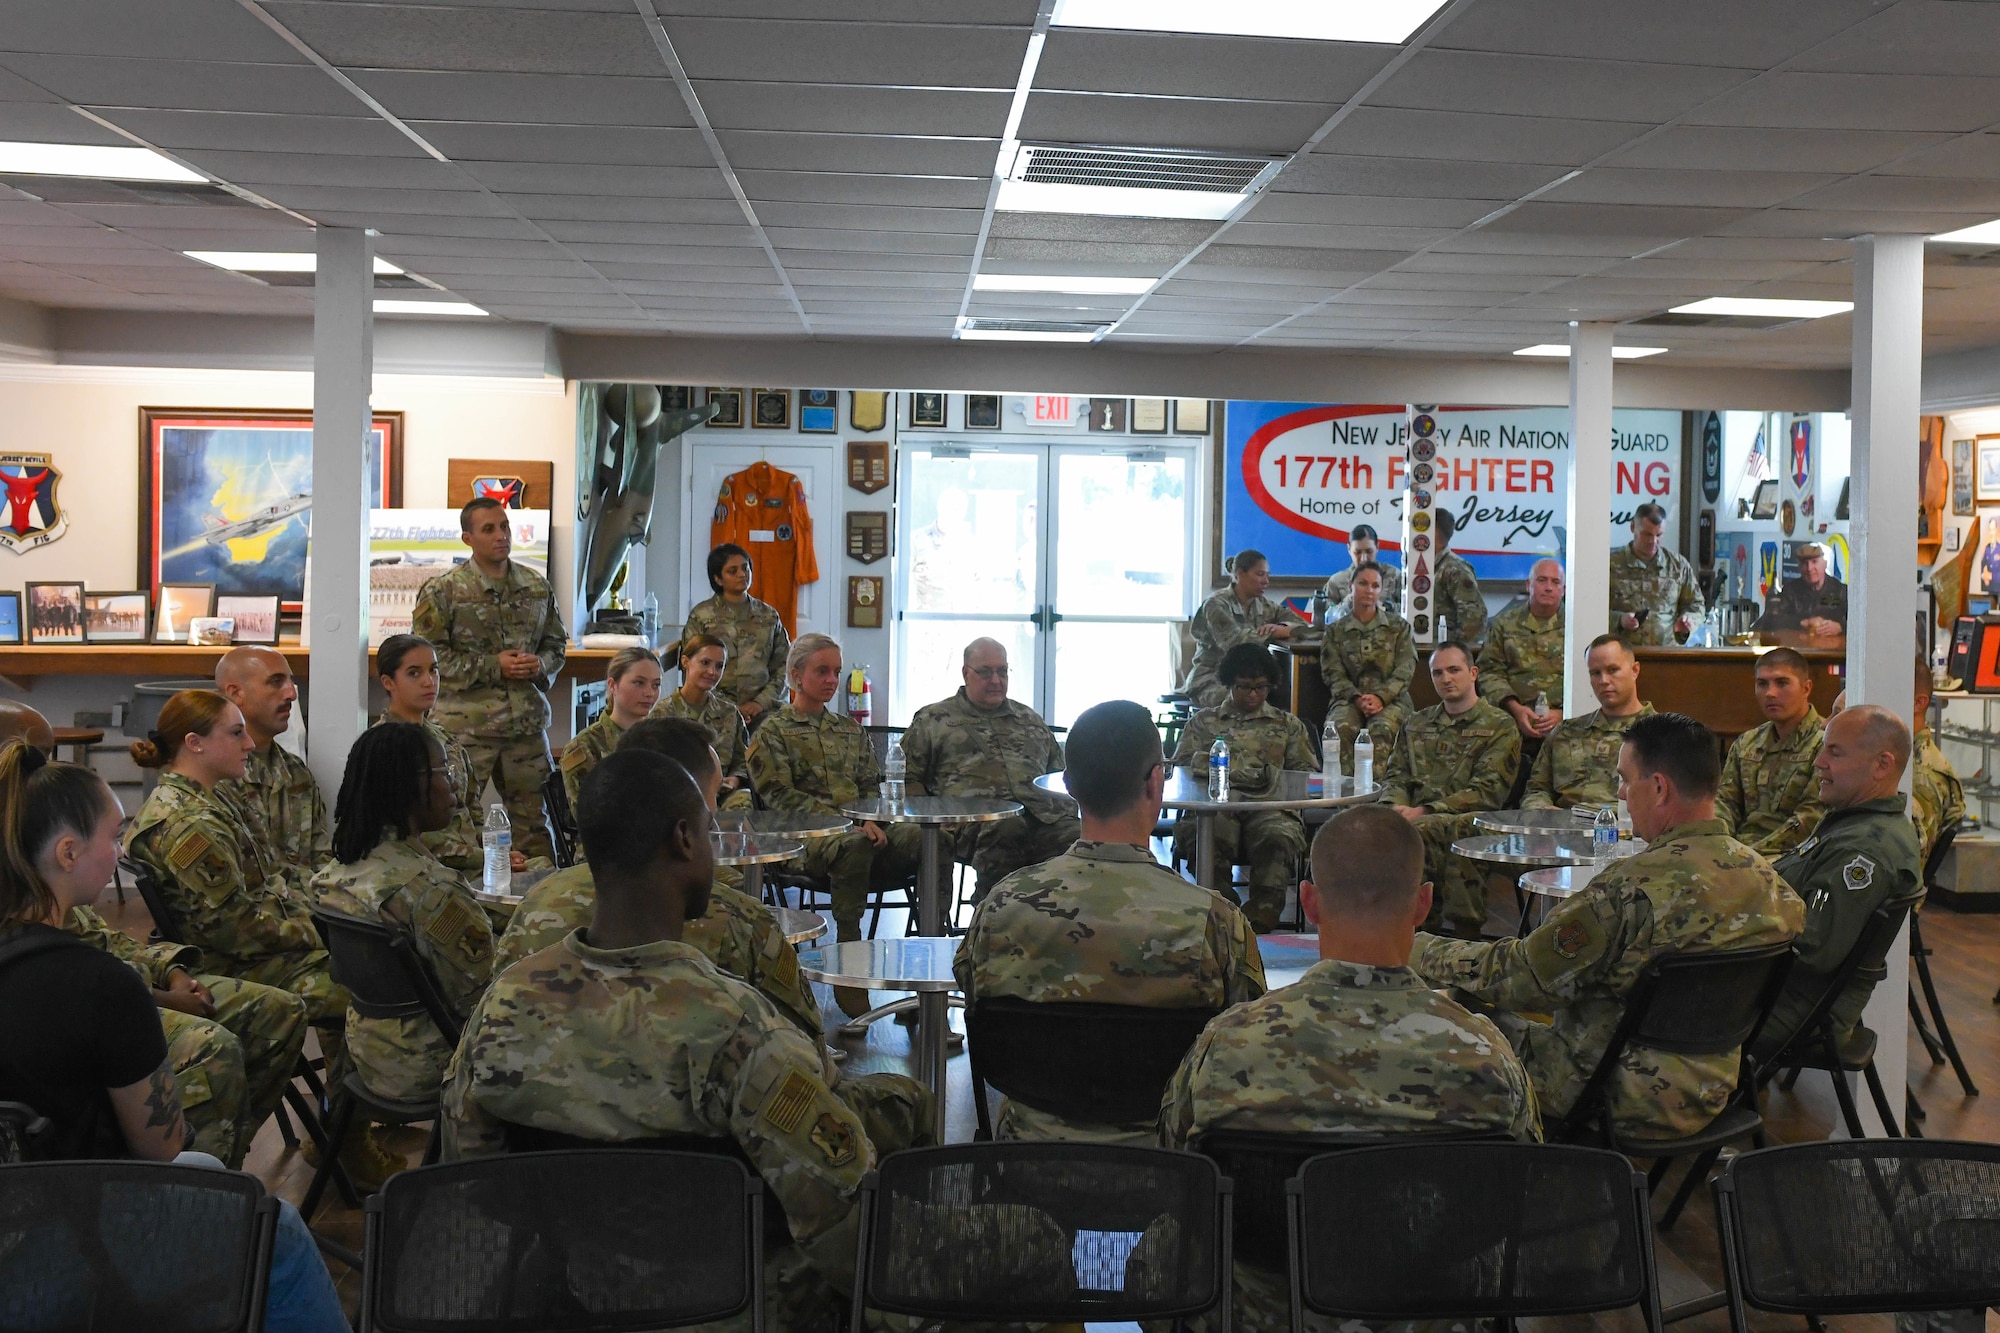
[{"x": 301, "y": 1298}]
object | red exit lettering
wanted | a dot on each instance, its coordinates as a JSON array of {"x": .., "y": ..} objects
[{"x": 1052, "y": 408}]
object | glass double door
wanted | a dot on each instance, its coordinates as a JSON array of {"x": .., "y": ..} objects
[{"x": 1077, "y": 558}]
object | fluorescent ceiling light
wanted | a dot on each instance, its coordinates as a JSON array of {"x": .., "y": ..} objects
[
  {"x": 1078, "y": 284},
  {"x": 1026, "y": 336},
  {"x": 384, "y": 306},
  {"x": 1764, "y": 307},
  {"x": 1562, "y": 349},
  {"x": 1314, "y": 20},
  {"x": 91, "y": 160},
  {"x": 1115, "y": 201},
  {"x": 271, "y": 261},
  {"x": 1986, "y": 233}
]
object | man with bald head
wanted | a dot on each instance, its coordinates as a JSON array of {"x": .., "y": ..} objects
[
  {"x": 1863, "y": 853},
  {"x": 1522, "y": 658},
  {"x": 981, "y": 743},
  {"x": 277, "y": 795}
]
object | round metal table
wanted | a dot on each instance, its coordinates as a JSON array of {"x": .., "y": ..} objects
[
  {"x": 1543, "y": 821},
  {"x": 782, "y": 823},
  {"x": 1538, "y": 851},
  {"x": 517, "y": 889},
  {"x": 1186, "y": 790},
  {"x": 917, "y": 963},
  {"x": 752, "y": 851},
  {"x": 799, "y": 927},
  {"x": 1559, "y": 882}
]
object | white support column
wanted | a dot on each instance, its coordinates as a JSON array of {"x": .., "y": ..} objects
[
  {"x": 1881, "y": 642},
  {"x": 1587, "y": 608},
  {"x": 343, "y": 366}
]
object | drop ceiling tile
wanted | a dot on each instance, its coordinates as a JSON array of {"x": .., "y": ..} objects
[
  {"x": 746, "y": 255},
  {"x": 443, "y": 253},
  {"x": 1297, "y": 234},
  {"x": 1185, "y": 234},
  {"x": 1490, "y": 285},
  {"x": 1211, "y": 124},
  {"x": 195, "y": 85},
  {"x": 860, "y": 261},
  {"x": 1710, "y": 189},
  {"x": 547, "y": 208},
  {"x": 589, "y": 178},
  {"x": 1490, "y": 83},
  {"x": 1414, "y": 178},
  {"x": 1743, "y": 248},
  {"x": 1731, "y": 148},
  {"x": 1576, "y": 247},
  {"x": 652, "y": 233},
  {"x": 160, "y": 29},
  {"x": 933, "y": 55},
  {"x": 1927, "y": 38},
  {"x": 332, "y": 170},
  {"x": 1226, "y": 255},
  {"x": 816, "y": 275},
  {"x": 1664, "y": 222},
  {"x": 412, "y": 36},
  {"x": 671, "y": 267},
  {"x": 498, "y": 284},
  {"x": 1356, "y": 210},
  {"x": 826, "y": 187},
  {"x": 854, "y": 217},
  {"x": 760, "y": 150},
  {"x": 818, "y": 238},
  {"x": 1173, "y": 65},
  {"x": 51, "y": 122},
  {"x": 191, "y": 132},
  {"x": 535, "y": 259},
  {"x": 807, "y": 107},
  {"x": 537, "y": 99},
  {"x": 1921, "y": 194},
  {"x": 712, "y": 290},
  {"x": 1690, "y": 32},
  {"x": 1844, "y": 224},
  {"x": 627, "y": 145},
  {"x": 446, "y": 225},
  {"x": 1909, "y": 102},
  {"x": 1393, "y": 132},
  {"x": 310, "y": 200},
  {"x": 1089, "y": 252},
  {"x": 1697, "y": 272}
]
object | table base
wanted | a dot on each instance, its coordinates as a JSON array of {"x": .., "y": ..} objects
[{"x": 858, "y": 1026}]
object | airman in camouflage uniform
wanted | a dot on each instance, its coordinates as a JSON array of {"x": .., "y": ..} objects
[
  {"x": 1578, "y": 764},
  {"x": 1223, "y": 622},
  {"x": 956, "y": 748},
  {"x": 754, "y": 672},
  {"x": 585, "y": 748},
  {"x": 282, "y": 803},
  {"x": 1937, "y": 797},
  {"x": 1454, "y": 767},
  {"x": 814, "y": 764},
  {"x": 231, "y": 1068},
  {"x": 1458, "y": 598},
  {"x": 457, "y": 845},
  {"x": 1769, "y": 796},
  {"x": 726, "y": 732},
  {"x": 1523, "y": 657},
  {"x": 1374, "y": 656},
  {"x": 399, "y": 883},
  {"x": 1263, "y": 743},
  {"x": 1105, "y": 923},
  {"x": 738, "y": 934},
  {"x": 653, "y": 1041},
  {"x": 1339, "y": 590},
  {"x": 1694, "y": 888},
  {"x": 503, "y": 724},
  {"x": 1654, "y": 590}
]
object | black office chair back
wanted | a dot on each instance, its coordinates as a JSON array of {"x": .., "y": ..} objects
[
  {"x": 1862, "y": 1226},
  {"x": 549, "y": 1242},
  {"x": 1473, "y": 1230},
  {"x": 166, "y": 922},
  {"x": 1105, "y": 1064},
  {"x": 562, "y": 820},
  {"x": 1939, "y": 851},
  {"x": 133, "y": 1245},
  {"x": 1043, "y": 1232},
  {"x": 529, "y": 1138},
  {"x": 384, "y": 974},
  {"x": 1871, "y": 947}
]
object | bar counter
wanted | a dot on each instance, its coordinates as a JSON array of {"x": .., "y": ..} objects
[{"x": 22, "y": 664}]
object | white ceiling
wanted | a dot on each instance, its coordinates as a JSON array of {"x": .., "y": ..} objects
[{"x": 1523, "y": 163}]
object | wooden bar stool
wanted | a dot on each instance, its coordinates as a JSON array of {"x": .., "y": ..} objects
[{"x": 80, "y": 739}]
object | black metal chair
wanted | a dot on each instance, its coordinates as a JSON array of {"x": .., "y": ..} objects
[
  {"x": 1861, "y": 1226},
  {"x": 1487, "y": 1230},
  {"x": 134, "y": 1245},
  {"x": 1706, "y": 1003},
  {"x": 1934, "y": 1031},
  {"x": 565, "y": 1241},
  {"x": 385, "y": 977},
  {"x": 1043, "y": 1232},
  {"x": 166, "y": 922},
  {"x": 562, "y": 820},
  {"x": 813, "y": 893},
  {"x": 1105, "y": 1064},
  {"x": 21, "y": 1131},
  {"x": 530, "y": 1138}
]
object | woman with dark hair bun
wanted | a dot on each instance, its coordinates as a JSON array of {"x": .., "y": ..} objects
[
  {"x": 1240, "y": 613},
  {"x": 751, "y": 630},
  {"x": 407, "y": 666},
  {"x": 703, "y": 658}
]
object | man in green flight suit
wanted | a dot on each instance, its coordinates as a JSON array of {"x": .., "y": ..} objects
[{"x": 1769, "y": 797}]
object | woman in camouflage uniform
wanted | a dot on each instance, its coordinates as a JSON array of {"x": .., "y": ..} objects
[
  {"x": 631, "y": 688},
  {"x": 702, "y": 658},
  {"x": 1240, "y": 613},
  {"x": 755, "y": 637},
  {"x": 408, "y": 669}
]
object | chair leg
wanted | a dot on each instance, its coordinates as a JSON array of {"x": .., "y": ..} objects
[
  {"x": 1881, "y": 1099},
  {"x": 1658, "y": 1172},
  {"x": 1923, "y": 1027},
  {"x": 1791, "y": 1077},
  {"x": 1849, "y": 1112},
  {"x": 1943, "y": 1028},
  {"x": 1913, "y": 1112},
  {"x": 329, "y": 1161},
  {"x": 1697, "y": 1173}
]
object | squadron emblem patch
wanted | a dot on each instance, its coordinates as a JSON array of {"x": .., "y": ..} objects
[
  {"x": 834, "y": 1138},
  {"x": 1858, "y": 873}
]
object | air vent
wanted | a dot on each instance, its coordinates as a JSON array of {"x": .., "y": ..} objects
[
  {"x": 1092, "y": 327},
  {"x": 1141, "y": 168}
]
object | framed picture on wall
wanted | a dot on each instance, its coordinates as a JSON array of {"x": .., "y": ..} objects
[
  {"x": 771, "y": 409},
  {"x": 927, "y": 410},
  {"x": 256, "y": 617},
  {"x": 225, "y": 495},
  {"x": 729, "y": 406},
  {"x": 114, "y": 617},
  {"x": 10, "y": 617},
  {"x": 55, "y": 613},
  {"x": 1961, "y": 478},
  {"x": 179, "y": 606},
  {"x": 1988, "y": 466}
]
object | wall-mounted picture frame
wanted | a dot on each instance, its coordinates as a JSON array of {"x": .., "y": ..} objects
[
  {"x": 1108, "y": 414},
  {"x": 1149, "y": 416},
  {"x": 211, "y": 631},
  {"x": 10, "y": 617},
  {"x": 676, "y": 397},
  {"x": 1764, "y": 507},
  {"x": 1191, "y": 416},
  {"x": 730, "y": 401},
  {"x": 1988, "y": 466},
  {"x": 256, "y": 618},
  {"x": 225, "y": 496},
  {"x": 116, "y": 617},
  {"x": 518, "y": 483},
  {"x": 868, "y": 410},
  {"x": 177, "y": 606},
  {"x": 1961, "y": 479},
  {"x": 927, "y": 411},
  {"x": 55, "y": 613},
  {"x": 771, "y": 409},
  {"x": 982, "y": 411},
  {"x": 819, "y": 411}
]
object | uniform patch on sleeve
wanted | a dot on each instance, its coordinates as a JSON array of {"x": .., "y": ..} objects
[
  {"x": 451, "y": 922},
  {"x": 1571, "y": 938},
  {"x": 1858, "y": 873},
  {"x": 786, "y": 1108},
  {"x": 834, "y": 1138},
  {"x": 191, "y": 848}
]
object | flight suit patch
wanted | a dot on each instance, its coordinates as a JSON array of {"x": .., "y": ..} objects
[
  {"x": 834, "y": 1138},
  {"x": 787, "y": 1107},
  {"x": 1858, "y": 874}
]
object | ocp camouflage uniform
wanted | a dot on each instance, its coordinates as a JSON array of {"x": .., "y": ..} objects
[
  {"x": 1262, "y": 745},
  {"x": 726, "y": 732},
  {"x": 1937, "y": 798},
  {"x": 582, "y": 753},
  {"x": 814, "y": 764},
  {"x": 234, "y": 903},
  {"x": 1860, "y": 856},
  {"x": 1339, "y": 590},
  {"x": 1694, "y": 889},
  {"x": 754, "y": 634},
  {"x": 1523, "y": 657},
  {"x": 1348, "y": 1048},
  {"x": 504, "y": 724},
  {"x": 955, "y": 748},
  {"x": 458, "y": 844},
  {"x": 1457, "y": 598},
  {"x": 1220, "y": 624},
  {"x": 231, "y": 1069},
  {"x": 1769, "y": 797},
  {"x": 738, "y": 934},
  {"x": 282, "y": 804},
  {"x": 401, "y": 885},
  {"x": 1375, "y": 657},
  {"x": 1105, "y": 923},
  {"x": 653, "y": 1041},
  {"x": 1456, "y": 767},
  {"x": 1578, "y": 764},
  {"x": 1657, "y": 591}
]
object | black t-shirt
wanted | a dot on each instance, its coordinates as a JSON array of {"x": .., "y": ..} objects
[{"x": 75, "y": 1022}]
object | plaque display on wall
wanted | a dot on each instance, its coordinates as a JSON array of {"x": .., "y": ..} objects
[
  {"x": 1191, "y": 416},
  {"x": 771, "y": 409},
  {"x": 864, "y": 601},
  {"x": 867, "y": 535},
  {"x": 927, "y": 410},
  {"x": 729, "y": 405},
  {"x": 868, "y": 410},
  {"x": 518, "y": 483},
  {"x": 982, "y": 411},
  {"x": 1149, "y": 416},
  {"x": 1108, "y": 414},
  {"x": 819, "y": 411},
  {"x": 868, "y": 465},
  {"x": 676, "y": 397}
]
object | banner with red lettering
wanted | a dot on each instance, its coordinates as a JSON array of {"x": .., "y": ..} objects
[{"x": 1297, "y": 478}]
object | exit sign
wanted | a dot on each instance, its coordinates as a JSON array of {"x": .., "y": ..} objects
[{"x": 1049, "y": 411}]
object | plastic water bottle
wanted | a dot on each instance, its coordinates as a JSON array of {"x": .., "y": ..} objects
[
  {"x": 1604, "y": 833},
  {"x": 895, "y": 771},
  {"x": 498, "y": 841},
  {"x": 1364, "y": 763},
  {"x": 649, "y": 621},
  {"x": 1541, "y": 705},
  {"x": 1329, "y": 757},
  {"x": 1218, "y": 769},
  {"x": 1319, "y": 605}
]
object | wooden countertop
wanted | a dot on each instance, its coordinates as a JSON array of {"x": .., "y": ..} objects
[{"x": 22, "y": 664}]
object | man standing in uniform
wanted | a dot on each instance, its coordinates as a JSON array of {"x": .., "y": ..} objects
[
  {"x": 1812, "y": 602},
  {"x": 1769, "y": 794},
  {"x": 1522, "y": 658},
  {"x": 500, "y": 645},
  {"x": 1653, "y": 591},
  {"x": 1578, "y": 764},
  {"x": 277, "y": 792},
  {"x": 1694, "y": 889},
  {"x": 1367, "y": 658},
  {"x": 1453, "y": 760},
  {"x": 1105, "y": 923},
  {"x": 981, "y": 743},
  {"x": 1937, "y": 798},
  {"x": 1459, "y": 603},
  {"x": 1863, "y": 854},
  {"x": 1362, "y": 549}
]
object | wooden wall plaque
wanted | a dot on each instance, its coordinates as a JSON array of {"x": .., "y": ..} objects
[
  {"x": 864, "y": 601},
  {"x": 867, "y": 535},
  {"x": 467, "y": 478},
  {"x": 868, "y": 465}
]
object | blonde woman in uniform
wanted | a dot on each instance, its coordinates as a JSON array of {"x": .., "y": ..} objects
[{"x": 703, "y": 658}]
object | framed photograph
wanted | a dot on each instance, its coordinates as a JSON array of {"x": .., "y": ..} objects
[
  {"x": 927, "y": 411},
  {"x": 982, "y": 411},
  {"x": 178, "y": 606},
  {"x": 1765, "y": 506},
  {"x": 771, "y": 409},
  {"x": 819, "y": 411},
  {"x": 211, "y": 631},
  {"x": 115, "y": 617},
  {"x": 676, "y": 397},
  {"x": 1107, "y": 414},
  {"x": 10, "y": 617},
  {"x": 1149, "y": 416},
  {"x": 225, "y": 495},
  {"x": 55, "y": 613},
  {"x": 1989, "y": 467},
  {"x": 1961, "y": 478},
  {"x": 1191, "y": 416},
  {"x": 730, "y": 401},
  {"x": 256, "y": 618}
]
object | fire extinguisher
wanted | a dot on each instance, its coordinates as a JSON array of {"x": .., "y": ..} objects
[{"x": 860, "y": 694}]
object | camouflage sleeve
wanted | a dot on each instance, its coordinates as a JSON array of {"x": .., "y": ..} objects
[
  {"x": 1301, "y": 755},
  {"x": 199, "y": 859},
  {"x": 150, "y": 961},
  {"x": 322, "y": 830},
  {"x": 1196, "y": 737},
  {"x": 1495, "y": 685},
  {"x": 771, "y": 775},
  {"x": 1689, "y": 601},
  {"x": 1397, "y": 768},
  {"x": 1177, "y": 1102},
  {"x": 451, "y": 934},
  {"x": 467, "y": 1130},
  {"x": 1541, "y": 791},
  {"x": 1492, "y": 775},
  {"x": 1541, "y": 973},
  {"x": 1397, "y": 684},
  {"x": 777, "y": 975},
  {"x": 963, "y": 966},
  {"x": 920, "y": 754},
  {"x": 1466, "y": 607},
  {"x": 1340, "y": 686},
  {"x": 550, "y": 909},
  {"x": 575, "y": 764},
  {"x": 778, "y": 647},
  {"x": 1795, "y": 830},
  {"x": 1526, "y": 1124},
  {"x": 551, "y": 644},
  {"x": 867, "y": 768},
  {"x": 1221, "y": 627},
  {"x": 1235, "y": 944},
  {"x": 459, "y": 671},
  {"x": 808, "y": 1145},
  {"x": 1729, "y": 791}
]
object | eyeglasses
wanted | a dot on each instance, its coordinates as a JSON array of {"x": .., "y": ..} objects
[
  {"x": 1252, "y": 686},
  {"x": 989, "y": 673}
]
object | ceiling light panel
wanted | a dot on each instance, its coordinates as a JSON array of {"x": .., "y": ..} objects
[
  {"x": 1077, "y": 284},
  {"x": 1764, "y": 307},
  {"x": 1986, "y": 233},
  {"x": 463, "y": 308},
  {"x": 272, "y": 261},
  {"x": 1562, "y": 350},
  {"x": 1388, "y": 21},
  {"x": 91, "y": 160}
]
